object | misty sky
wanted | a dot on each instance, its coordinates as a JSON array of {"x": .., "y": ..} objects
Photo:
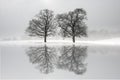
[{"x": 15, "y": 14}]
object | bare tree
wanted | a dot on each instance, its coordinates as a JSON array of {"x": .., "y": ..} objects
[
  {"x": 72, "y": 23},
  {"x": 72, "y": 59},
  {"x": 42, "y": 25},
  {"x": 43, "y": 56}
]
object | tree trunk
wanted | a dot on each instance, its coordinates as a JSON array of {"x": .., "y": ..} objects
[
  {"x": 45, "y": 39},
  {"x": 73, "y": 39},
  {"x": 73, "y": 34},
  {"x": 45, "y": 36}
]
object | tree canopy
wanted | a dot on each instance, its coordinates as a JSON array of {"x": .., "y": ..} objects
[
  {"x": 72, "y": 23},
  {"x": 42, "y": 25}
]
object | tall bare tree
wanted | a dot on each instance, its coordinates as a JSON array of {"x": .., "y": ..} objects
[
  {"x": 72, "y": 58},
  {"x": 72, "y": 23},
  {"x": 42, "y": 25},
  {"x": 43, "y": 56}
]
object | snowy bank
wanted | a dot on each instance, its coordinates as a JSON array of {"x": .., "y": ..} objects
[{"x": 113, "y": 41}]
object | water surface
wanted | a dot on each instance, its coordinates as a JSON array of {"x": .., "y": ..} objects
[{"x": 59, "y": 62}]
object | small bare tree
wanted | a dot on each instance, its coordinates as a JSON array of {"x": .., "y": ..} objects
[
  {"x": 42, "y": 25},
  {"x": 72, "y": 23}
]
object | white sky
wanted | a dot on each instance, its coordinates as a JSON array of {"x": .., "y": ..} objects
[{"x": 15, "y": 14}]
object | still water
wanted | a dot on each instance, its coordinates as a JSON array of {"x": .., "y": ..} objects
[{"x": 59, "y": 62}]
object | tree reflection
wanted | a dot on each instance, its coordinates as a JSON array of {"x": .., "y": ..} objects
[
  {"x": 43, "y": 56},
  {"x": 72, "y": 59}
]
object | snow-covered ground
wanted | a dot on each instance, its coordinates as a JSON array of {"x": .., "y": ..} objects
[{"x": 113, "y": 41}]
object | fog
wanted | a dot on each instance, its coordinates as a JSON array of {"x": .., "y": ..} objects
[{"x": 15, "y": 14}]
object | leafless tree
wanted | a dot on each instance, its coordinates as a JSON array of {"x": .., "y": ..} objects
[
  {"x": 72, "y": 59},
  {"x": 42, "y": 25},
  {"x": 72, "y": 23},
  {"x": 43, "y": 56}
]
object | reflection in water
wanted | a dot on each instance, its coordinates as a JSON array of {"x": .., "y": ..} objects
[
  {"x": 71, "y": 58},
  {"x": 43, "y": 56}
]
